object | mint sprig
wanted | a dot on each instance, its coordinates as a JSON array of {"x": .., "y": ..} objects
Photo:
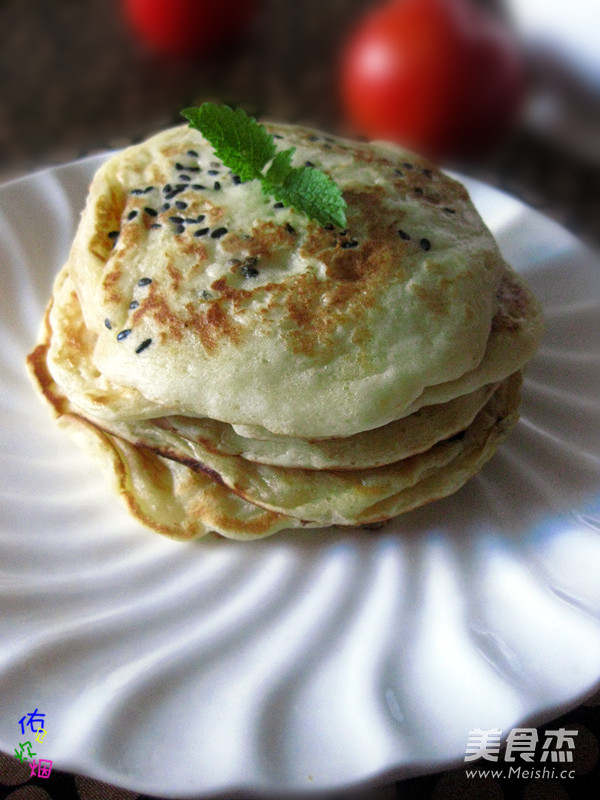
[{"x": 246, "y": 147}]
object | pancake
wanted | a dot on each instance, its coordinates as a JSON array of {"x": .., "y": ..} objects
[
  {"x": 181, "y": 501},
  {"x": 254, "y": 314},
  {"x": 515, "y": 333},
  {"x": 241, "y": 369},
  {"x": 70, "y": 358},
  {"x": 326, "y": 497}
]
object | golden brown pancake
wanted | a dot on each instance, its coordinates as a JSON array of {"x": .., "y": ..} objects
[{"x": 241, "y": 369}]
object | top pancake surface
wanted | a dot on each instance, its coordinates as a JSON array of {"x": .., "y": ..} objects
[{"x": 269, "y": 318}]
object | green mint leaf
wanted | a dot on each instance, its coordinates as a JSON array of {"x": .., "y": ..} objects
[
  {"x": 238, "y": 140},
  {"x": 246, "y": 147},
  {"x": 315, "y": 193},
  {"x": 280, "y": 168}
]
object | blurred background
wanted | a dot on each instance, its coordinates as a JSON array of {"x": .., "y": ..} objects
[{"x": 80, "y": 76}]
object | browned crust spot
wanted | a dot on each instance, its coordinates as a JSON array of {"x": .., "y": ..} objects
[
  {"x": 175, "y": 275},
  {"x": 107, "y": 217},
  {"x": 198, "y": 251},
  {"x": 38, "y": 367},
  {"x": 212, "y": 326},
  {"x": 258, "y": 525},
  {"x": 514, "y": 304},
  {"x": 36, "y": 361},
  {"x": 265, "y": 239},
  {"x": 157, "y": 307},
  {"x": 111, "y": 281},
  {"x": 435, "y": 301}
]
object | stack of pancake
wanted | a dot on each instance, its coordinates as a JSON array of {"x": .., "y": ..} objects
[{"x": 242, "y": 369}]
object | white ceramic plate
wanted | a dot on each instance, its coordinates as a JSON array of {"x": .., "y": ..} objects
[{"x": 308, "y": 660}]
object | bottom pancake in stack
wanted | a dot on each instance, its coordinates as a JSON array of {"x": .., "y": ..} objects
[{"x": 186, "y": 476}]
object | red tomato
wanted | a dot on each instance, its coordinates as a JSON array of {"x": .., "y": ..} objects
[
  {"x": 442, "y": 77},
  {"x": 188, "y": 26}
]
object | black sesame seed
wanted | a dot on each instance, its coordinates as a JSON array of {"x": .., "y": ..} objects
[
  {"x": 192, "y": 153},
  {"x": 137, "y": 191},
  {"x": 191, "y": 220},
  {"x": 218, "y": 232},
  {"x": 329, "y": 226},
  {"x": 166, "y": 206},
  {"x": 181, "y": 186},
  {"x": 450, "y": 211},
  {"x": 418, "y": 191},
  {"x": 198, "y": 186},
  {"x": 349, "y": 243},
  {"x": 277, "y": 136},
  {"x": 200, "y": 218},
  {"x": 156, "y": 225},
  {"x": 123, "y": 334},
  {"x": 152, "y": 212},
  {"x": 180, "y": 204},
  {"x": 407, "y": 165},
  {"x": 113, "y": 235},
  {"x": 344, "y": 233},
  {"x": 179, "y": 167},
  {"x": 249, "y": 271},
  {"x": 205, "y": 295},
  {"x": 289, "y": 228},
  {"x": 184, "y": 178},
  {"x": 133, "y": 304},
  {"x": 425, "y": 244},
  {"x": 192, "y": 169},
  {"x": 132, "y": 215},
  {"x": 146, "y": 343},
  {"x": 428, "y": 173},
  {"x": 217, "y": 186},
  {"x": 107, "y": 323},
  {"x": 167, "y": 188},
  {"x": 237, "y": 179},
  {"x": 278, "y": 205},
  {"x": 308, "y": 164},
  {"x": 403, "y": 235},
  {"x": 202, "y": 232},
  {"x": 144, "y": 281},
  {"x": 148, "y": 189},
  {"x": 213, "y": 171},
  {"x": 179, "y": 228},
  {"x": 176, "y": 219}
]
